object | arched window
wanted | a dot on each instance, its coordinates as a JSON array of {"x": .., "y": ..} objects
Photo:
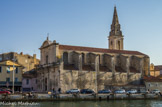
[
  {"x": 65, "y": 57},
  {"x": 82, "y": 58},
  {"x": 119, "y": 45},
  {"x": 111, "y": 43}
]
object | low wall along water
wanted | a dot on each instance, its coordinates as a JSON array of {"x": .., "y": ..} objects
[{"x": 68, "y": 97}]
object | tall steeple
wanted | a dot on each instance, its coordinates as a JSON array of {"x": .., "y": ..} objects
[
  {"x": 115, "y": 36},
  {"x": 115, "y": 26},
  {"x": 115, "y": 17}
]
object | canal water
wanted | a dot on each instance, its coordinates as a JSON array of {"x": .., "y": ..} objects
[{"x": 112, "y": 103}]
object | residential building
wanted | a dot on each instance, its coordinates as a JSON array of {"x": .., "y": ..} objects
[
  {"x": 29, "y": 62},
  {"x": 153, "y": 83},
  {"x": 6, "y": 75},
  {"x": 29, "y": 81},
  {"x": 155, "y": 70}
]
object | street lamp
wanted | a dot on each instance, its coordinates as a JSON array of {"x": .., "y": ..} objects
[
  {"x": 13, "y": 76},
  {"x": 97, "y": 69}
]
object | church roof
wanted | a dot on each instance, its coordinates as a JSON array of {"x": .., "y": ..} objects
[{"x": 102, "y": 50}]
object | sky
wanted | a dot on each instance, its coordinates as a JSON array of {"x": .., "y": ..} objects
[{"x": 24, "y": 24}]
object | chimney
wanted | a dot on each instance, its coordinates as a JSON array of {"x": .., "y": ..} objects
[
  {"x": 34, "y": 56},
  {"x": 21, "y": 53}
]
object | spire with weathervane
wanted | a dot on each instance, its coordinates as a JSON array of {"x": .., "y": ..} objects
[{"x": 115, "y": 37}]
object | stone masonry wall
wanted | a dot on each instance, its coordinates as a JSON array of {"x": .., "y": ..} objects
[{"x": 87, "y": 79}]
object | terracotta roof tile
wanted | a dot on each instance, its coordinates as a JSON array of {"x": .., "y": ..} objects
[
  {"x": 158, "y": 67},
  {"x": 102, "y": 50},
  {"x": 152, "y": 79}
]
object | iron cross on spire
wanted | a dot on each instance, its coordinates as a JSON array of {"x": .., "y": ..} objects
[{"x": 47, "y": 36}]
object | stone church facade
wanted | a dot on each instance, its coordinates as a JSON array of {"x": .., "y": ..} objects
[{"x": 68, "y": 67}]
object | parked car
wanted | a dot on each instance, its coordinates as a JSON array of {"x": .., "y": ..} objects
[
  {"x": 104, "y": 91},
  {"x": 132, "y": 91},
  {"x": 8, "y": 90},
  {"x": 121, "y": 91},
  {"x": 73, "y": 91},
  {"x": 4, "y": 91},
  {"x": 144, "y": 91},
  {"x": 156, "y": 91},
  {"x": 86, "y": 91}
]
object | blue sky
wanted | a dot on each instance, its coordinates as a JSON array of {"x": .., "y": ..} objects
[{"x": 24, "y": 24}]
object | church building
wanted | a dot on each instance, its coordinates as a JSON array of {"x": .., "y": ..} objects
[{"x": 68, "y": 67}]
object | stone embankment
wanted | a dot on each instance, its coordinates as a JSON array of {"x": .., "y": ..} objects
[{"x": 68, "y": 97}]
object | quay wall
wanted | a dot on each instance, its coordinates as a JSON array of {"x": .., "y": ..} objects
[{"x": 68, "y": 97}]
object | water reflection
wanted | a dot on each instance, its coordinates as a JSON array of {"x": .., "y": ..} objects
[
  {"x": 111, "y": 103},
  {"x": 114, "y": 103}
]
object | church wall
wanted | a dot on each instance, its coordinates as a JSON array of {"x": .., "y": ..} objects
[
  {"x": 123, "y": 63},
  {"x": 108, "y": 61},
  {"x": 52, "y": 51},
  {"x": 75, "y": 59},
  {"x": 135, "y": 62},
  {"x": 47, "y": 79},
  {"x": 68, "y": 79},
  {"x": 120, "y": 79},
  {"x": 120, "y": 63},
  {"x": 134, "y": 78},
  {"x": 92, "y": 58},
  {"x": 87, "y": 79}
]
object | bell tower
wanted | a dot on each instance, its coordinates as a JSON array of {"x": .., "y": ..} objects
[{"x": 115, "y": 37}]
